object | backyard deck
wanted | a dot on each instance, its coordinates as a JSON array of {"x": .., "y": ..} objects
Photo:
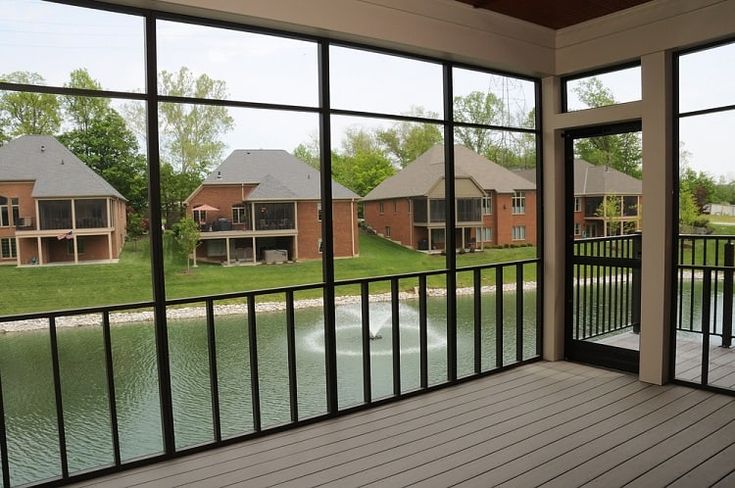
[{"x": 558, "y": 424}]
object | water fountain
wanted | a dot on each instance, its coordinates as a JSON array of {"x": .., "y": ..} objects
[
  {"x": 375, "y": 327},
  {"x": 349, "y": 331}
]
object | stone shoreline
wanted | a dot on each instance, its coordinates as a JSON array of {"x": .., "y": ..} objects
[{"x": 121, "y": 318}]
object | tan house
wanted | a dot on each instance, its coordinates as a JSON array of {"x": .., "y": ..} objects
[
  {"x": 54, "y": 208},
  {"x": 265, "y": 206},
  {"x": 494, "y": 206}
]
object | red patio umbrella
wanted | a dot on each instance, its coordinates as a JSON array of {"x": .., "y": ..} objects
[{"x": 205, "y": 208}]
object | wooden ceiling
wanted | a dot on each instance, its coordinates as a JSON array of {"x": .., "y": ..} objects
[{"x": 554, "y": 13}]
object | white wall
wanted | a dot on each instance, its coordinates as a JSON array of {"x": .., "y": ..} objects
[{"x": 441, "y": 28}]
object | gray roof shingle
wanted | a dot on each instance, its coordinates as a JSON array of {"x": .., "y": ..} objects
[
  {"x": 601, "y": 180},
  {"x": 277, "y": 173},
  {"x": 420, "y": 176},
  {"x": 57, "y": 172},
  {"x": 597, "y": 180}
]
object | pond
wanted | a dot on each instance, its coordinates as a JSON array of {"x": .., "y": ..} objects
[{"x": 28, "y": 385}]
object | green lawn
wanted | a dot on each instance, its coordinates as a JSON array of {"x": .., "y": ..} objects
[{"x": 40, "y": 288}]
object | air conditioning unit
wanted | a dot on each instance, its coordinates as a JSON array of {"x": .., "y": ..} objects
[{"x": 275, "y": 256}]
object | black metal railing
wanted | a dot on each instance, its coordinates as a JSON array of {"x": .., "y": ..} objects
[
  {"x": 704, "y": 304},
  {"x": 606, "y": 285},
  {"x": 697, "y": 254},
  {"x": 489, "y": 333}
]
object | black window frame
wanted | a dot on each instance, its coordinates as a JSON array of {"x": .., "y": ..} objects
[{"x": 150, "y": 97}]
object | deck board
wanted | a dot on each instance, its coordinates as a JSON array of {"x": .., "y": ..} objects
[{"x": 551, "y": 424}]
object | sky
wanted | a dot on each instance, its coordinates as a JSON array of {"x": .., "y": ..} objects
[{"x": 54, "y": 39}]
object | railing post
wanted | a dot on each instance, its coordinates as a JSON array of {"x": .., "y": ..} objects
[
  {"x": 727, "y": 295},
  {"x": 635, "y": 306}
]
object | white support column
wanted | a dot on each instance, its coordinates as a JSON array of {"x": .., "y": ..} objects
[
  {"x": 554, "y": 269},
  {"x": 109, "y": 221},
  {"x": 40, "y": 250},
  {"x": 76, "y": 249},
  {"x": 109, "y": 245},
  {"x": 73, "y": 216},
  {"x": 352, "y": 225},
  {"x": 428, "y": 231},
  {"x": 227, "y": 245},
  {"x": 658, "y": 184},
  {"x": 17, "y": 251},
  {"x": 255, "y": 253}
]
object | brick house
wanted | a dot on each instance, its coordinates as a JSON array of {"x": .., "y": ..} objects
[
  {"x": 54, "y": 208},
  {"x": 265, "y": 206},
  {"x": 494, "y": 206},
  {"x": 592, "y": 184}
]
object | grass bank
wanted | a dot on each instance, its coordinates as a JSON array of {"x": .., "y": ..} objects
[{"x": 35, "y": 289}]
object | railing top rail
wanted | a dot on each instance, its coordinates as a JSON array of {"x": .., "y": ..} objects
[
  {"x": 248, "y": 293},
  {"x": 124, "y": 307},
  {"x": 729, "y": 237},
  {"x": 703, "y": 267},
  {"x": 607, "y": 239}
]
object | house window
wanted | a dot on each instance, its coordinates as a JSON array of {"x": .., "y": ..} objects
[
  {"x": 410, "y": 206},
  {"x": 319, "y": 211},
  {"x": 577, "y": 204},
  {"x": 518, "y": 202},
  {"x": 199, "y": 216},
  {"x": 70, "y": 246},
  {"x": 486, "y": 234},
  {"x": 275, "y": 216},
  {"x": 381, "y": 208},
  {"x": 55, "y": 214},
  {"x": 469, "y": 209},
  {"x": 395, "y": 206},
  {"x": 240, "y": 215},
  {"x": 387, "y": 231},
  {"x": 8, "y": 249},
  {"x": 319, "y": 246},
  {"x": 16, "y": 210},
  {"x": 4, "y": 212},
  {"x": 577, "y": 229},
  {"x": 519, "y": 232},
  {"x": 90, "y": 214},
  {"x": 487, "y": 206}
]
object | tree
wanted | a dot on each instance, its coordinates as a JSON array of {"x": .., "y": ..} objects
[
  {"x": 186, "y": 233},
  {"x": 361, "y": 164},
  {"x": 82, "y": 111},
  {"x": 135, "y": 228},
  {"x": 724, "y": 191},
  {"x": 108, "y": 147},
  {"x": 308, "y": 152},
  {"x": 610, "y": 209},
  {"x": 620, "y": 151},
  {"x": 688, "y": 211},
  {"x": 479, "y": 108},
  {"x": 406, "y": 141},
  {"x": 699, "y": 185},
  {"x": 175, "y": 188},
  {"x": 191, "y": 133},
  {"x": 26, "y": 113}
]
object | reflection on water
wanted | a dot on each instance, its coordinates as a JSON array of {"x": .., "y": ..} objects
[{"x": 28, "y": 385}]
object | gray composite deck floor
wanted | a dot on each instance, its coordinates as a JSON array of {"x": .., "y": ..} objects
[
  {"x": 721, "y": 365},
  {"x": 552, "y": 424}
]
